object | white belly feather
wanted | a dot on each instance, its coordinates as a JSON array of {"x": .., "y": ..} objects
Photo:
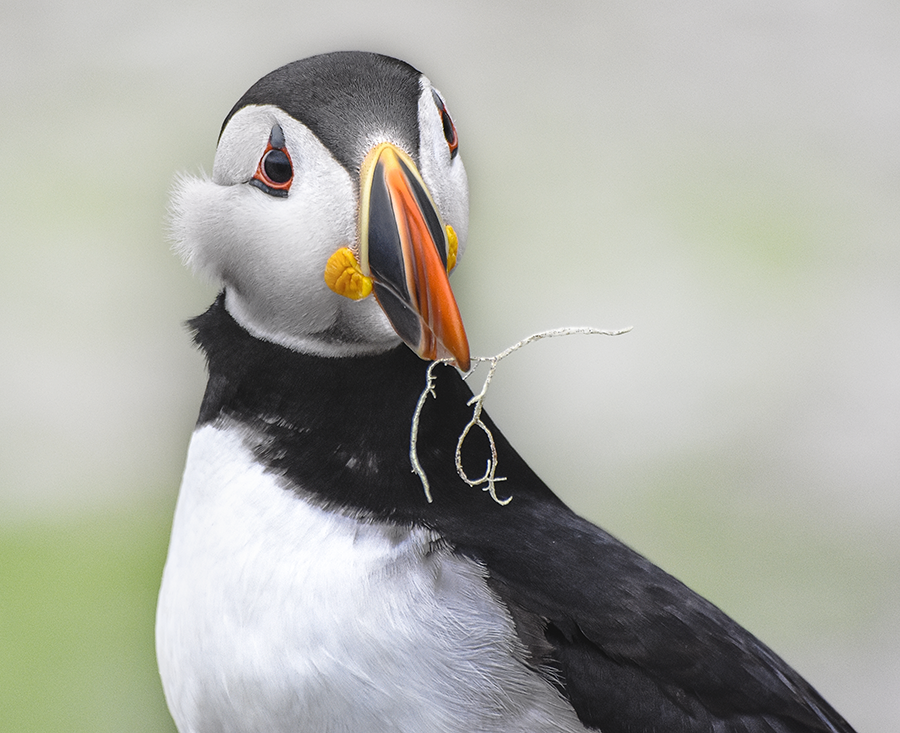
[{"x": 277, "y": 616}]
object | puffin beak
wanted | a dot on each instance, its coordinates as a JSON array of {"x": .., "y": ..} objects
[{"x": 404, "y": 249}]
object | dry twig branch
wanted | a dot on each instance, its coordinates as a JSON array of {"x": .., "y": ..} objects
[{"x": 488, "y": 481}]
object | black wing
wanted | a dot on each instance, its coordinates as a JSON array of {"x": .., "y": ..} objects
[{"x": 633, "y": 649}]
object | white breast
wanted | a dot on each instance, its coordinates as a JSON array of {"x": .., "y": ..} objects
[{"x": 275, "y": 615}]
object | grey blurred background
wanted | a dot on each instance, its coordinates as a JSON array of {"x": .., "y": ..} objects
[{"x": 724, "y": 177}]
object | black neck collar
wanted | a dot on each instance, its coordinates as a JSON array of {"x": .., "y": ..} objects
[{"x": 337, "y": 429}]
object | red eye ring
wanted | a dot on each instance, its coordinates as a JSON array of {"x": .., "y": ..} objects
[
  {"x": 449, "y": 128},
  {"x": 275, "y": 168},
  {"x": 275, "y": 171}
]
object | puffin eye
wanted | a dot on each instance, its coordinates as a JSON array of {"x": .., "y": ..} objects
[
  {"x": 276, "y": 166},
  {"x": 275, "y": 172},
  {"x": 449, "y": 128}
]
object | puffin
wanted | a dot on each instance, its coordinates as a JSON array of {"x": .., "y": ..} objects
[{"x": 310, "y": 583}]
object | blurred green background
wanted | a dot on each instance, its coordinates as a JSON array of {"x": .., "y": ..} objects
[{"x": 725, "y": 177}]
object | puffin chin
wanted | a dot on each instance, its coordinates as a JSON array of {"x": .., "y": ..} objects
[{"x": 358, "y": 328}]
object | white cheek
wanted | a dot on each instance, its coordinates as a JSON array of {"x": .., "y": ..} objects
[
  {"x": 282, "y": 245},
  {"x": 254, "y": 242}
]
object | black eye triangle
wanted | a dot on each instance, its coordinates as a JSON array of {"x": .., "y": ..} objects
[{"x": 276, "y": 138}]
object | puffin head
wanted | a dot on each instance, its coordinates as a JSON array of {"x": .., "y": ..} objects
[{"x": 337, "y": 206}]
